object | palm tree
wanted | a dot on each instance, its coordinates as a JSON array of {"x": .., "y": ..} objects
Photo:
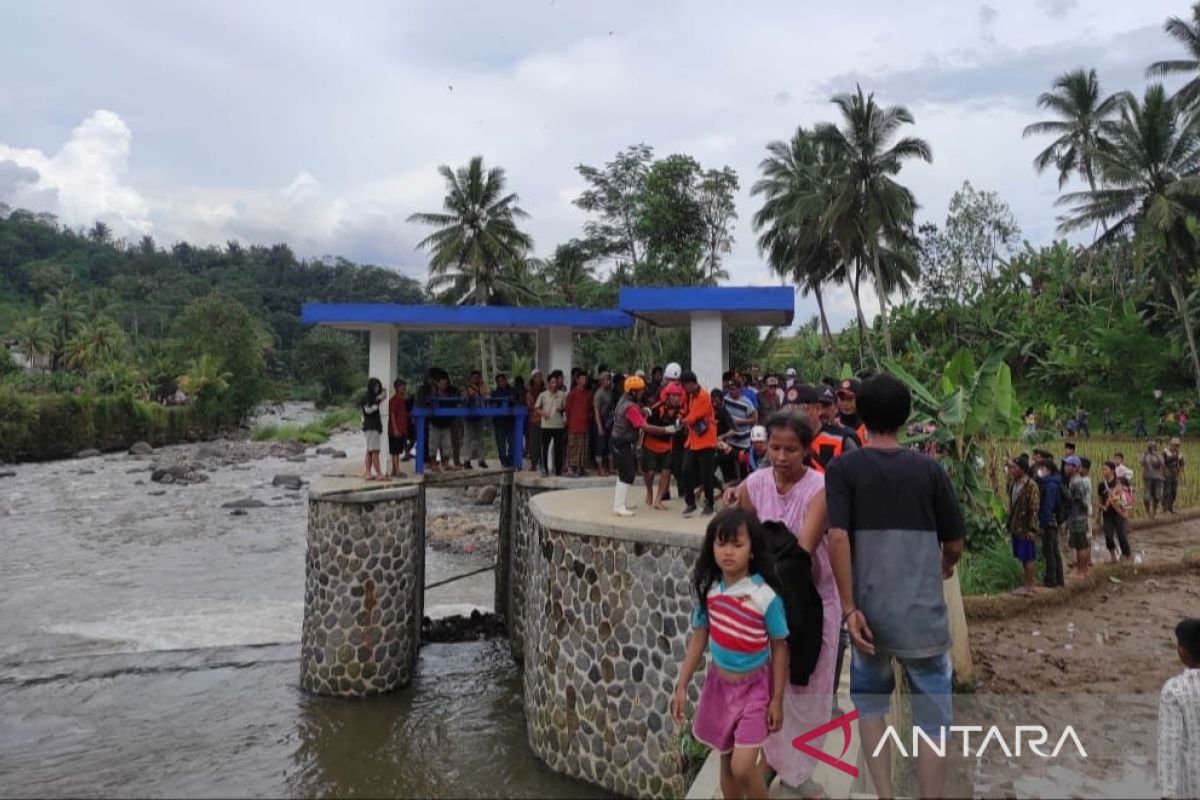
[
  {"x": 205, "y": 377},
  {"x": 64, "y": 315},
  {"x": 869, "y": 208},
  {"x": 33, "y": 338},
  {"x": 97, "y": 341},
  {"x": 1084, "y": 127},
  {"x": 476, "y": 238},
  {"x": 1187, "y": 34},
  {"x": 795, "y": 185},
  {"x": 1150, "y": 187}
]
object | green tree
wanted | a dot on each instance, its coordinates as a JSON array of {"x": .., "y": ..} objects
[
  {"x": 871, "y": 214},
  {"x": 715, "y": 191},
  {"x": 33, "y": 337},
  {"x": 328, "y": 357},
  {"x": 98, "y": 340},
  {"x": 1084, "y": 127},
  {"x": 64, "y": 315},
  {"x": 980, "y": 231},
  {"x": 1150, "y": 187},
  {"x": 222, "y": 328},
  {"x": 614, "y": 197},
  {"x": 477, "y": 239},
  {"x": 1187, "y": 33},
  {"x": 206, "y": 382},
  {"x": 795, "y": 187}
]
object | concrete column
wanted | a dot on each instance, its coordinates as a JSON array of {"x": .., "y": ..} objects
[
  {"x": 710, "y": 348},
  {"x": 555, "y": 350},
  {"x": 363, "y": 590},
  {"x": 381, "y": 362}
]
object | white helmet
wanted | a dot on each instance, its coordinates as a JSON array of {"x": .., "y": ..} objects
[
  {"x": 758, "y": 434},
  {"x": 672, "y": 372}
]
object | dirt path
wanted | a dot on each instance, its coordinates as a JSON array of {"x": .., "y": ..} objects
[{"x": 1123, "y": 639}]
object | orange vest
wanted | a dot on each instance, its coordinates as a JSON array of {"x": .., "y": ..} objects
[{"x": 826, "y": 447}]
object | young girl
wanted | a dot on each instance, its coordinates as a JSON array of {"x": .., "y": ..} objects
[
  {"x": 372, "y": 425},
  {"x": 742, "y": 614}
]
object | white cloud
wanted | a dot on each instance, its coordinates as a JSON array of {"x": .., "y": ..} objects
[
  {"x": 84, "y": 180},
  {"x": 324, "y": 127}
]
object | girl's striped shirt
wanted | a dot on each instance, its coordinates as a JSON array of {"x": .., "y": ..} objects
[{"x": 741, "y": 620}]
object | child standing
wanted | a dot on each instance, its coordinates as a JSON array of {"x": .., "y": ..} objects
[
  {"x": 1179, "y": 719},
  {"x": 372, "y": 425},
  {"x": 742, "y": 616}
]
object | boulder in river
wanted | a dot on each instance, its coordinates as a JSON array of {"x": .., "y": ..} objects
[
  {"x": 244, "y": 502},
  {"x": 141, "y": 449},
  {"x": 297, "y": 459},
  {"x": 178, "y": 473},
  {"x": 238, "y": 512},
  {"x": 157, "y": 492},
  {"x": 338, "y": 454},
  {"x": 7, "y": 473},
  {"x": 486, "y": 496},
  {"x": 89, "y": 453},
  {"x": 292, "y": 482}
]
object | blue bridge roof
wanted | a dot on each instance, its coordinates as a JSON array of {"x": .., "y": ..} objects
[
  {"x": 738, "y": 305},
  {"x": 465, "y": 318}
]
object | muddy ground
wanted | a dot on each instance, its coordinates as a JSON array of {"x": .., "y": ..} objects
[{"x": 1123, "y": 639}]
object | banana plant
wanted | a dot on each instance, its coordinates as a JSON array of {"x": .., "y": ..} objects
[{"x": 967, "y": 406}]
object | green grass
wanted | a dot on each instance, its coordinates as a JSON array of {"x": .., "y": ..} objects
[
  {"x": 990, "y": 569},
  {"x": 313, "y": 433}
]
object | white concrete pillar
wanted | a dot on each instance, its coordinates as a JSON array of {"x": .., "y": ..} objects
[
  {"x": 381, "y": 361},
  {"x": 710, "y": 348},
  {"x": 555, "y": 350}
]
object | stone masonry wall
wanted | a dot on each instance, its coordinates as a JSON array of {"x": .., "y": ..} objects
[
  {"x": 606, "y": 627},
  {"x": 364, "y": 572},
  {"x": 525, "y": 488}
]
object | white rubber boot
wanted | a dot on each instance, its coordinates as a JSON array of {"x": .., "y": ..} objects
[{"x": 620, "y": 493}]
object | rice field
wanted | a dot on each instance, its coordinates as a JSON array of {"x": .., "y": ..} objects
[{"x": 1099, "y": 449}]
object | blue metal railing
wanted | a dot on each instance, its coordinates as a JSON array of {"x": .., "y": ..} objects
[{"x": 493, "y": 407}]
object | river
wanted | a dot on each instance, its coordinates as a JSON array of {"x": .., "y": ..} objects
[{"x": 149, "y": 644}]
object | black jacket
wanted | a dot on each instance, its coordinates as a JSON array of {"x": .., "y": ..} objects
[{"x": 802, "y": 604}]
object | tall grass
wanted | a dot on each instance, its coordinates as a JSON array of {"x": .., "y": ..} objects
[{"x": 317, "y": 432}]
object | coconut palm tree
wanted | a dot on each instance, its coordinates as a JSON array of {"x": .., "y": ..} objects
[
  {"x": 476, "y": 239},
  {"x": 1150, "y": 187},
  {"x": 1084, "y": 126},
  {"x": 869, "y": 208},
  {"x": 1188, "y": 34},
  {"x": 97, "y": 341},
  {"x": 64, "y": 315},
  {"x": 33, "y": 337},
  {"x": 795, "y": 185}
]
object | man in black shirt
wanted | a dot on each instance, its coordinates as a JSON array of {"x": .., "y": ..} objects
[{"x": 895, "y": 533}]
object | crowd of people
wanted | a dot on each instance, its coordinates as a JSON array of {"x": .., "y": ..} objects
[
  {"x": 703, "y": 439},
  {"x": 779, "y": 590},
  {"x": 1052, "y": 499},
  {"x": 1170, "y": 420}
]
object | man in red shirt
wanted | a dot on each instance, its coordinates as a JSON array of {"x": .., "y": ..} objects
[
  {"x": 398, "y": 427},
  {"x": 578, "y": 412},
  {"x": 700, "y": 453}
]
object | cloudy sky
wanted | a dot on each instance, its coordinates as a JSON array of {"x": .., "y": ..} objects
[{"x": 321, "y": 124}]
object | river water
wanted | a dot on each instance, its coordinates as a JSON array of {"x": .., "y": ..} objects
[{"x": 149, "y": 645}]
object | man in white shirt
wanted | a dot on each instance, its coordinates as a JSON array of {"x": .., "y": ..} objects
[{"x": 1179, "y": 719}]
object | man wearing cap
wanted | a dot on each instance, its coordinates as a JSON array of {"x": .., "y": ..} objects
[
  {"x": 1068, "y": 451},
  {"x": 1079, "y": 515},
  {"x": 628, "y": 420},
  {"x": 831, "y": 439},
  {"x": 847, "y": 394},
  {"x": 671, "y": 375},
  {"x": 1023, "y": 526},
  {"x": 789, "y": 378},
  {"x": 770, "y": 399},
  {"x": 1172, "y": 470}
]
